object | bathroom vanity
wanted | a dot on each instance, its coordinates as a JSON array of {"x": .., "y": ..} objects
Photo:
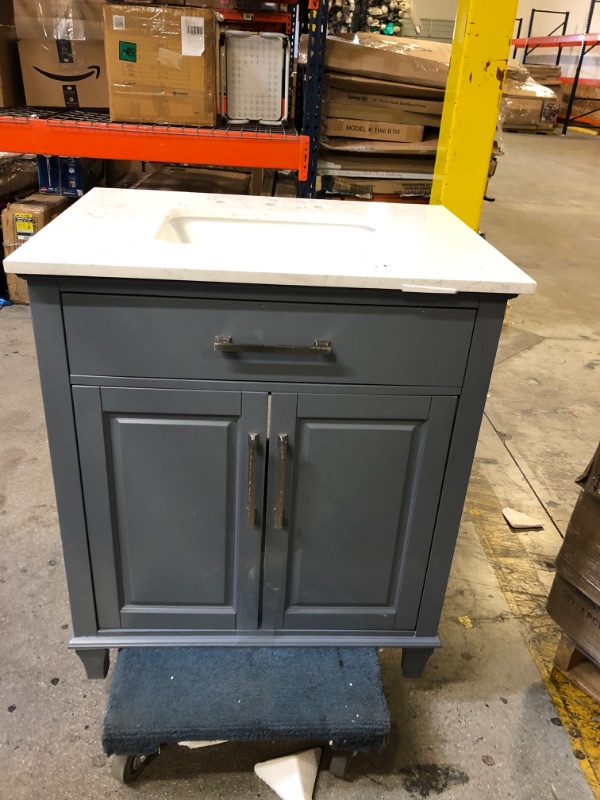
[{"x": 262, "y": 414}]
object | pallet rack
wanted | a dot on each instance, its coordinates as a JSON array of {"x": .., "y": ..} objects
[
  {"x": 93, "y": 135},
  {"x": 586, "y": 42}
]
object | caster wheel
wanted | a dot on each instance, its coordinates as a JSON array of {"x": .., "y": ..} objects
[{"x": 127, "y": 769}]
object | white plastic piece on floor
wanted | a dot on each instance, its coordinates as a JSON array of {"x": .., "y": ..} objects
[
  {"x": 195, "y": 745},
  {"x": 520, "y": 521},
  {"x": 291, "y": 777}
]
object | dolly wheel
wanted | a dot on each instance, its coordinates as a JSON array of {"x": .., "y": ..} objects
[{"x": 127, "y": 769}]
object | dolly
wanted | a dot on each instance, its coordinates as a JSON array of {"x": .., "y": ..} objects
[{"x": 163, "y": 695}]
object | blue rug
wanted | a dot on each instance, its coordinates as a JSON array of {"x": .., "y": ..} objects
[{"x": 170, "y": 694}]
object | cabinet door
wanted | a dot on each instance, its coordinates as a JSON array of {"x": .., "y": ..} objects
[
  {"x": 354, "y": 483},
  {"x": 173, "y": 486}
]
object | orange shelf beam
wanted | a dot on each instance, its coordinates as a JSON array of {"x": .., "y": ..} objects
[
  {"x": 92, "y": 139},
  {"x": 570, "y": 40}
]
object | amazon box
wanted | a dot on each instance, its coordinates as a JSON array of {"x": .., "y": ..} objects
[
  {"x": 62, "y": 53},
  {"x": 161, "y": 64}
]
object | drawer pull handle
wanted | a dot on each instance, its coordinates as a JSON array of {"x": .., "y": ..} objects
[
  {"x": 251, "y": 505},
  {"x": 225, "y": 344},
  {"x": 282, "y": 442}
]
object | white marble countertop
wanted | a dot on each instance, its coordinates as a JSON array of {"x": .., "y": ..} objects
[{"x": 121, "y": 233}]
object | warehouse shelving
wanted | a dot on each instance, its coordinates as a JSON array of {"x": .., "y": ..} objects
[
  {"x": 586, "y": 42},
  {"x": 91, "y": 134}
]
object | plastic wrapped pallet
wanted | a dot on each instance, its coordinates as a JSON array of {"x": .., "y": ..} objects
[
  {"x": 161, "y": 64},
  {"x": 574, "y": 600},
  {"x": 61, "y": 51},
  {"x": 526, "y": 104}
]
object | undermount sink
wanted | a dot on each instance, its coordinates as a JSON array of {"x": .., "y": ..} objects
[{"x": 197, "y": 229}]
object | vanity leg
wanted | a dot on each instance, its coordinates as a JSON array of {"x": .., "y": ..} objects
[
  {"x": 96, "y": 662},
  {"x": 414, "y": 661},
  {"x": 339, "y": 763}
]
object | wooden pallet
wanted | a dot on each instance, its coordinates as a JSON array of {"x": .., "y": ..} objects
[
  {"x": 578, "y": 668},
  {"x": 524, "y": 129}
]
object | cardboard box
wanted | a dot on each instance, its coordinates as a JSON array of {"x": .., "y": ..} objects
[
  {"x": 526, "y": 103},
  {"x": 578, "y": 560},
  {"x": 371, "y": 129},
  {"x": 413, "y": 105},
  {"x": 161, "y": 64},
  {"x": 11, "y": 84},
  {"x": 69, "y": 176},
  {"x": 412, "y": 61},
  {"x": 62, "y": 52},
  {"x": 366, "y": 186},
  {"x": 340, "y": 144},
  {"x": 366, "y": 165},
  {"x": 357, "y": 83},
  {"x": 21, "y": 221},
  {"x": 379, "y": 114},
  {"x": 577, "y": 615}
]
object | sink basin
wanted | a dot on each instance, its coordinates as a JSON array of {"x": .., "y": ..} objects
[{"x": 261, "y": 232}]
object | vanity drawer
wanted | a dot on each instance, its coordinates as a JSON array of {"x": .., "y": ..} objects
[{"x": 174, "y": 337}]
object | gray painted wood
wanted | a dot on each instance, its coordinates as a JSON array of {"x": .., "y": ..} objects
[
  {"x": 380, "y": 444},
  {"x": 488, "y": 327},
  {"x": 163, "y": 480},
  {"x": 62, "y": 439},
  {"x": 158, "y": 337},
  {"x": 361, "y": 520}
]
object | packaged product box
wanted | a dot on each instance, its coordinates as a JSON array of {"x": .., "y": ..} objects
[
  {"x": 379, "y": 114},
  {"x": 402, "y": 60},
  {"x": 371, "y": 186},
  {"x": 578, "y": 560},
  {"x": 358, "y": 83},
  {"x": 578, "y": 616},
  {"x": 414, "y": 105},
  {"x": 371, "y": 129},
  {"x": 161, "y": 64},
  {"x": 11, "y": 85},
  {"x": 69, "y": 176},
  {"x": 21, "y": 221},
  {"x": 527, "y": 104},
  {"x": 61, "y": 50}
]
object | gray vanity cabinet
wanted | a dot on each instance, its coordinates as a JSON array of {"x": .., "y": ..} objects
[{"x": 241, "y": 465}]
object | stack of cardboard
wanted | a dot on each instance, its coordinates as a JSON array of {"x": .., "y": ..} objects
[
  {"x": 381, "y": 113},
  {"x": 526, "y": 104},
  {"x": 548, "y": 75},
  {"x": 574, "y": 600},
  {"x": 21, "y": 221}
]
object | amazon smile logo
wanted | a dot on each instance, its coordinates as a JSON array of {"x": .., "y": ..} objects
[{"x": 94, "y": 68}]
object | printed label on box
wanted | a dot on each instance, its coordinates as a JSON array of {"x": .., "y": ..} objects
[
  {"x": 24, "y": 226},
  {"x": 118, "y": 22},
  {"x": 127, "y": 51},
  {"x": 192, "y": 36}
]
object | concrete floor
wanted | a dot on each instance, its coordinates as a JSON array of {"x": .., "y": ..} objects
[{"x": 479, "y": 724}]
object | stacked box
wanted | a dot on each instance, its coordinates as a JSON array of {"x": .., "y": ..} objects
[
  {"x": 21, "y": 221},
  {"x": 574, "y": 600}
]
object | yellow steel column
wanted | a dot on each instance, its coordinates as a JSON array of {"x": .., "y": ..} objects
[{"x": 477, "y": 69}]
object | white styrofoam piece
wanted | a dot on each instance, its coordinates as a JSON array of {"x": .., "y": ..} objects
[
  {"x": 520, "y": 521},
  {"x": 121, "y": 233},
  {"x": 291, "y": 777},
  {"x": 198, "y": 745}
]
